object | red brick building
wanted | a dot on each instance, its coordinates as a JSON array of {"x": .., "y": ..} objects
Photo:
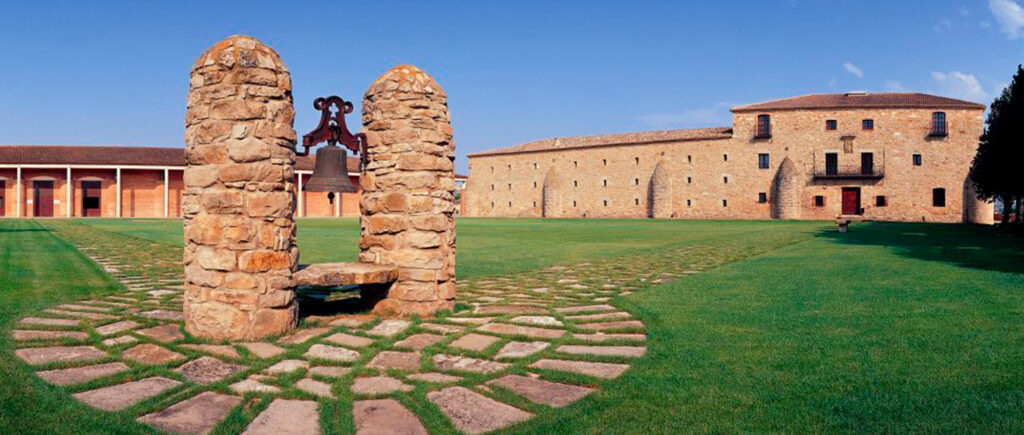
[{"x": 139, "y": 182}]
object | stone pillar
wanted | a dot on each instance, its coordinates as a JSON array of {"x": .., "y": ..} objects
[
  {"x": 977, "y": 211},
  {"x": 660, "y": 198},
  {"x": 408, "y": 200},
  {"x": 239, "y": 197},
  {"x": 787, "y": 191}
]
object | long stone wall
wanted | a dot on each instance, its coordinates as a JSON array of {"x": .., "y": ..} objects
[
  {"x": 721, "y": 178},
  {"x": 239, "y": 199}
]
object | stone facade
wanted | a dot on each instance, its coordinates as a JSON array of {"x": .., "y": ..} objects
[
  {"x": 239, "y": 198},
  {"x": 408, "y": 191},
  {"x": 716, "y": 174}
]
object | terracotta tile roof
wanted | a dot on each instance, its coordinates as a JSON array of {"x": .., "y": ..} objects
[
  {"x": 862, "y": 100},
  {"x": 118, "y": 156},
  {"x": 604, "y": 140}
]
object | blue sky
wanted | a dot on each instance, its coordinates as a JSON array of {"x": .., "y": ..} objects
[{"x": 107, "y": 72}]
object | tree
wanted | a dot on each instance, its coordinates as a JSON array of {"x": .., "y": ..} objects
[{"x": 1001, "y": 150}]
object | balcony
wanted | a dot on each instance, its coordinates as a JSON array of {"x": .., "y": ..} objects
[{"x": 874, "y": 171}]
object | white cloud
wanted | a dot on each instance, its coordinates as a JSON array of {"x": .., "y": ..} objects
[
  {"x": 852, "y": 69},
  {"x": 1009, "y": 15},
  {"x": 716, "y": 115},
  {"x": 959, "y": 85},
  {"x": 894, "y": 86}
]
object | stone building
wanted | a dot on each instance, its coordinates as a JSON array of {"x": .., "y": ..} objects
[
  {"x": 130, "y": 182},
  {"x": 882, "y": 156}
]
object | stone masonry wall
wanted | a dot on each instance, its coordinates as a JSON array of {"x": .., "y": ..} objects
[
  {"x": 721, "y": 179},
  {"x": 239, "y": 199},
  {"x": 408, "y": 201}
]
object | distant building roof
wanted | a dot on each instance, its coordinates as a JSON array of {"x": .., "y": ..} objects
[
  {"x": 77, "y": 155},
  {"x": 862, "y": 100},
  {"x": 604, "y": 140}
]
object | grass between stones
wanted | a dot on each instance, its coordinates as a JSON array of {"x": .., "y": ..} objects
[{"x": 889, "y": 327}]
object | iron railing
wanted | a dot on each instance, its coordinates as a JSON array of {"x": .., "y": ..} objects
[{"x": 874, "y": 171}]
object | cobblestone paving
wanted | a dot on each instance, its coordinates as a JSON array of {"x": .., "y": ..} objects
[{"x": 515, "y": 345}]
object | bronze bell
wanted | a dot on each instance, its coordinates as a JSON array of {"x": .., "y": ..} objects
[{"x": 330, "y": 173}]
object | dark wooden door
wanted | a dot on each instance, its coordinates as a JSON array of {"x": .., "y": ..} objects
[
  {"x": 91, "y": 198},
  {"x": 42, "y": 200},
  {"x": 867, "y": 163},
  {"x": 831, "y": 163},
  {"x": 3, "y": 203},
  {"x": 851, "y": 200}
]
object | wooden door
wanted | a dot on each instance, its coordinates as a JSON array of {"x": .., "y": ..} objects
[
  {"x": 851, "y": 200},
  {"x": 867, "y": 163},
  {"x": 91, "y": 199},
  {"x": 42, "y": 200},
  {"x": 831, "y": 164},
  {"x": 3, "y": 203}
]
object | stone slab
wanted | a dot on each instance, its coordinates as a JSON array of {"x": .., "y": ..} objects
[
  {"x": 528, "y": 331},
  {"x": 331, "y": 353},
  {"x": 597, "y": 317},
  {"x": 537, "y": 320},
  {"x": 117, "y": 341},
  {"x": 439, "y": 378},
  {"x": 120, "y": 396},
  {"x": 162, "y": 315},
  {"x": 474, "y": 413},
  {"x": 419, "y": 341},
  {"x": 251, "y": 386},
  {"x": 585, "y": 308},
  {"x": 442, "y": 328},
  {"x": 207, "y": 370},
  {"x": 287, "y": 366},
  {"x": 600, "y": 337},
  {"x": 46, "y": 355},
  {"x": 315, "y": 387},
  {"x": 116, "y": 327},
  {"x": 302, "y": 335},
  {"x": 329, "y": 371},
  {"x": 395, "y": 360},
  {"x": 84, "y": 315},
  {"x": 162, "y": 333},
  {"x": 595, "y": 369},
  {"x": 509, "y": 309},
  {"x": 521, "y": 349},
  {"x": 378, "y": 385},
  {"x": 196, "y": 415},
  {"x": 389, "y": 328},
  {"x": 263, "y": 350},
  {"x": 148, "y": 353},
  {"x": 48, "y": 321},
  {"x": 604, "y": 326},
  {"x": 349, "y": 340},
  {"x": 548, "y": 393},
  {"x": 471, "y": 320},
  {"x": 215, "y": 349},
  {"x": 626, "y": 351},
  {"x": 77, "y": 375},
  {"x": 385, "y": 417},
  {"x": 340, "y": 274},
  {"x": 474, "y": 342},
  {"x": 286, "y": 417},
  {"x": 467, "y": 364},
  {"x": 25, "y": 334}
]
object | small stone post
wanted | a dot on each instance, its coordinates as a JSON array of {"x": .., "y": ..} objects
[
  {"x": 239, "y": 196},
  {"x": 408, "y": 200}
]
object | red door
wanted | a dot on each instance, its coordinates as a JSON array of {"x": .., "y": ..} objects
[
  {"x": 43, "y": 198},
  {"x": 851, "y": 200},
  {"x": 3, "y": 204},
  {"x": 91, "y": 198}
]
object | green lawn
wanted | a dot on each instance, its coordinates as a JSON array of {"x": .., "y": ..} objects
[{"x": 891, "y": 327}]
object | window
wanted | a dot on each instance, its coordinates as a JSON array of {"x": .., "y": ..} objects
[
  {"x": 687, "y": 202},
  {"x": 574, "y": 203},
  {"x": 510, "y": 204},
  {"x": 938, "y": 197},
  {"x": 725, "y": 203},
  {"x": 604, "y": 162},
  {"x": 492, "y": 205},
  {"x": 917, "y": 159},
  {"x": 725, "y": 157},
  {"x": 867, "y": 124},
  {"x": 689, "y": 180},
  {"x": 535, "y": 166},
  {"x": 762, "y": 161},
  {"x": 725, "y": 179},
  {"x": 492, "y": 187},
  {"x": 637, "y": 159},
  {"x": 510, "y": 167},
  {"x": 509, "y": 186},
  {"x": 575, "y": 183},
  {"x": 831, "y": 164},
  {"x": 534, "y": 184},
  {"x": 636, "y": 181},
  {"x": 764, "y": 127},
  {"x": 867, "y": 163},
  {"x": 605, "y": 183},
  {"x": 492, "y": 168},
  {"x": 535, "y": 204},
  {"x": 819, "y": 201},
  {"x": 636, "y": 201},
  {"x": 762, "y": 197},
  {"x": 689, "y": 159},
  {"x": 831, "y": 124},
  {"x": 606, "y": 203},
  {"x": 880, "y": 201},
  {"x": 939, "y": 124}
]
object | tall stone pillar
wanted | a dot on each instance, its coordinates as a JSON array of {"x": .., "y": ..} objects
[
  {"x": 239, "y": 196},
  {"x": 787, "y": 190},
  {"x": 977, "y": 211},
  {"x": 660, "y": 198},
  {"x": 408, "y": 200},
  {"x": 551, "y": 195}
]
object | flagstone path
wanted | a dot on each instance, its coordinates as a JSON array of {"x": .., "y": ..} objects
[{"x": 516, "y": 345}]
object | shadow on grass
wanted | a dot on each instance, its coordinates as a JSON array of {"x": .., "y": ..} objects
[
  {"x": 24, "y": 230},
  {"x": 977, "y": 247}
]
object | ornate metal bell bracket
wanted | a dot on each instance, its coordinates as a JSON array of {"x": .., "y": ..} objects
[{"x": 332, "y": 129}]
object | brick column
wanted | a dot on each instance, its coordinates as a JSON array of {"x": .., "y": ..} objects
[
  {"x": 239, "y": 231},
  {"x": 408, "y": 200}
]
